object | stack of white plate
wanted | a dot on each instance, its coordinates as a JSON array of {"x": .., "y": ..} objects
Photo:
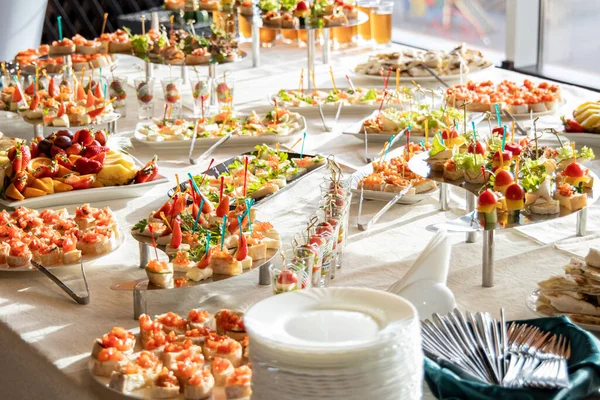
[{"x": 335, "y": 343}]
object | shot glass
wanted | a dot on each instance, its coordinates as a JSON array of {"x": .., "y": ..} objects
[
  {"x": 381, "y": 24},
  {"x": 144, "y": 90},
  {"x": 116, "y": 89},
  {"x": 268, "y": 37},
  {"x": 225, "y": 91},
  {"x": 290, "y": 276},
  {"x": 172, "y": 92},
  {"x": 307, "y": 249},
  {"x": 201, "y": 88}
]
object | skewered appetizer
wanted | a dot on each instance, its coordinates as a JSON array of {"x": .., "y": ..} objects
[
  {"x": 482, "y": 96},
  {"x": 411, "y": 62},
  {"x": 299, "y": 14},
  {"x": 55, "y": 238},
  {"x": 395, "y": 175},
  {"x": 169, "y": 365},
  {"x": 392, "y": 120},
  {"x": 277, "y": 122},
  {"x": 357, "y": 96}
]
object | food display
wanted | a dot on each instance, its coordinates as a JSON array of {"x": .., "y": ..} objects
[
  {"x": 586, "y": 118},
  {"x": 411, "y": 62},
  {"x": 267, "y": 172},
  {"x": 574, "y": 293},
  {"x": 67, "y": 161},
  {"x": 517, "y": 99},
  {"x": 199, "y": 357},
  {"x": 279, "y": 122},
  {"x": 394, "y": 175},
  {"x": 348, "y": 97},
  {"x": 87, "y": 57},
  {"x": 194, "y": 5},
  {"x": 392, "y": 120},
  {"x": 53, "y": 237},
  {"x": 513, "y": 176},
  {"x": 294, "y": 14}
]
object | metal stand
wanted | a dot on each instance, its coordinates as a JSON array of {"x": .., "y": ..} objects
[
  {"x": 149, "y": 70},
  {"x": 38, "y": 131},
  {"x": 310, "y": 47},
  {"x": 144, "y": 254},
  {"x": 444, "y": 197},
  {"x": 264, "y": 274},
  {"x": 487, "y": 279},
  {"x": 326, "y": 46},
  {"x": 184, "y": 74},
  {"x": 140, "y": 303},
  {"x": 255, "y": 43},
  {"x": 470, "y": 198},
  {"x": 582, "y": 222},
  {"x": 111, "y": 127}
]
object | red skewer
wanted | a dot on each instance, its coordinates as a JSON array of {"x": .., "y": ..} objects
[
  {"x": 484, "y": 179},
  {"x": 387, "y": 81},
  {"x": 350, "y": 83},
  {"x": 221, "y": 190},
  {"x": 153, "y": 241},
  {"x": 382, "y": 101},
  {"x": 204, "y": 175}
]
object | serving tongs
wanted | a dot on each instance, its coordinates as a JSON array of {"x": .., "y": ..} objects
[
  {"x": 436, "y": 76},
  {"x": 78, "y": 299},
  {"x": 326, "y": 127},
  {"x": 520, "y": 128},
  {"x": 394, "y": 200},
  {"x": 209, "y": 151}
]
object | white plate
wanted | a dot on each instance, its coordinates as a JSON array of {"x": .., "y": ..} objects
[
  {"x": 582, "y": 138},
  {"x": 328, "y": 321},
  {"x": 88, "y": 195},
  {"x": 207, "y": 142},
  {"x": 423, "y": 79},
  {"x": 47, "y": 130},
  {"x": 86, "y": 259},
  {"x": 538, "y": 114},
  {"x": 531, "y": 302},
  {"x": 328, "y": 109}
]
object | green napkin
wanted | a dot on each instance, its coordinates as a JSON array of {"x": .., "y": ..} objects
[{"x": 584, "y": 370}]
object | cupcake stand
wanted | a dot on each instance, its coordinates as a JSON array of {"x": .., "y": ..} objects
[{"x": 471, "y": 223}]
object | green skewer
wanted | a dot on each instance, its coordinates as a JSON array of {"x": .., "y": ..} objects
[{"x": 223, "y": 231}]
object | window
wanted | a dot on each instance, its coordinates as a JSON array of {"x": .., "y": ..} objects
[{"x": 441, "y": 24}]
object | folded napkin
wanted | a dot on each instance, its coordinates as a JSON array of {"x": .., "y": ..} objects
[
  {"x": 424, "y": 285},
  {"x": 584, "y": 370}
]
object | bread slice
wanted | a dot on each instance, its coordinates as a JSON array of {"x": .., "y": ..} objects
[
  {"x": 257, "y": 251},
  {"x": 548, "y": 208},
  {"x": 573, "y": 202},
  {"x": 222, "y": 263}
]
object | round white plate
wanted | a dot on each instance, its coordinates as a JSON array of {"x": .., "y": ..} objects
[
  {"x": 531, "y": 302},
  {"x": 582, "y": 138},
  {"x": 327, "y": 321},
  {"x": 86, "y": 259},
  {"x": 107, "y": 119},
  {"x": 422, "y": 79}
]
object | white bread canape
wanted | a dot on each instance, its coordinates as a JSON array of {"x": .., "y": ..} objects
[
  {"x": 199, "y": 386},
  {"x": 221, "y": 370},
  {"x": 108, "y": 360}
]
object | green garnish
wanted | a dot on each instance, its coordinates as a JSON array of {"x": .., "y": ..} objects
[{"x": 141, "y": 225}]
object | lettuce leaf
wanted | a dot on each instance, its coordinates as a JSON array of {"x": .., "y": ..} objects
[
  {"x": 436, "y": 146},
  {"x": 268, "y": 5},
  {"x": 468, "y": 161},
  {"x": 586, "y": 152},
  {"x": 533, "y": 173},
  {"x": 371, "y": 95},
  {"x": 283, "y": 95},
  {"x": 288, "y": 5}
]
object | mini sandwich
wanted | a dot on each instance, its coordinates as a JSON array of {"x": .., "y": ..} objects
[
  {"x": 172, "y": 55},
  {"x": 172, "y": 322},
  {"x": 166, "y": 385},
  {"x": 337, "y": 19},
  {"x": 198, "y": 56},
  {"x": 230, "y": 323},
  {"x": 450, "y": 171},
  {"x": 242, "y": 254},
  {"x": 309, "y": 163},
  {"x": 289, "y": 21},
  {"x": 202, "y": 270},
  {"x": 568, "y": 197},
  {"x": 575, "y": 174},
  {"x": 540, "y": 199},
  {"x": 200, "y": 319},
  {"x": 181, "y": 262},
  {"x": 272, "y": 19},
  {"x": 199, "y": 386},
  {"x": 221, "y": 370},
  {"x": 160, "y": 273},
  {"x": 247, "y": 8},
  {"x": 19, "y": 254},
  {"x": 172, "y": 351},
  {"x": 127, "y": 379},
  {"x": 223, "y": 263},
  {"x": 238, "y": 385},
  {"x": 224, "y": 347},
  {"x": 108, "y": 360},
  {"x": 452, "y": 138},
  {"x": 438, "y": 154},
  {"x": 62, "y": 48},
  {"x": 471, "y": 164},
  {"x": 118, "y": 338}
]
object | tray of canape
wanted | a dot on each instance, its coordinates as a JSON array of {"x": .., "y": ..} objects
[
  {"x": 521, "y": 101},
  {"x": 379, "y": 126},
  {"x": 515, "y": 183},
  {"x": 269, "y": 172},
  {"x": 203, "y": 356},
  {"x": 31, "y": 61},
  {"x": 414, "y": 64},
  {"x": 67, "y": 168},
  {"x": 330, "y": 98},
  {"x": 572, "y": 294},
  {"x": 249, "y": 129},
  {"x": 203, "y": 239},
  {"x": 56, "y": 239},
  {"x": 384, "y": 178}
]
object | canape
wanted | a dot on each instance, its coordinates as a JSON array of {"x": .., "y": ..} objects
[
  {"x": 238, "y": 384},
  {"x": 166, "y": 385},
  {"x": 230, "y": 323},
  {"x": 160, "y": 273},
  {"x": 108, "y": 360},
  {"x": 199, "y": 386},
  {"x": 221, "y": 370}
]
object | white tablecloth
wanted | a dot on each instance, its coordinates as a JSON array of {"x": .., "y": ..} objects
[{"x": 46, "y": 338}]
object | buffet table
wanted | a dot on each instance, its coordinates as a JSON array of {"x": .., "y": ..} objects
[{"x": 46, "y": 338}]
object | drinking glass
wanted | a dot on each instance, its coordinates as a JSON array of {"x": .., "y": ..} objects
[
  {"x": 293, "y": 274},
  {"x": 344, "y": 37},
  {"x": 144, "y": 90},
  {"x": 268, "y": 37},
  {"x": 245, "y": 28},
  {"x": 289, "y": 36},
  {"x": 225, "y": 91},
  {"x": 307, "y": 247},
  {"x": 116, "y": 89},
  {"x": 364, "y": 30},
  {"x": 201, "y": 88},
  {"x": 381, "y": 23},
  {"x": 172, "y": 93}
]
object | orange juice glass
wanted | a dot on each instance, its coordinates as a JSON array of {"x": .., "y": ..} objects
[
  {"x": 381, "y": 24},
  {"x": 364, "y": 30},
  {"x": 245, "y": 28},
  {"x": 289, "y": 35},
  {"x": 267, "y": 37},
  {"x": 343, "y": 37}
]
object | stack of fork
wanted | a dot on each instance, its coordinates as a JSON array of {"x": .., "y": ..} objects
[{"x": 516, "y": 356}]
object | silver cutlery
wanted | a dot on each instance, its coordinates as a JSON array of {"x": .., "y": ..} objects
[
  {"x": 394, "y": 200},
  {"x": 78, "y": 299},
  {"x": 212, "y": 148}
]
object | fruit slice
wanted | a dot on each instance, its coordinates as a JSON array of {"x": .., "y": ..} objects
[
  {"x": 62, "y": 171},
  {"x": 49, "y": 184},
  {"x": 60, "y": 187},
  {"x": 12, "y": 193},
  {"x": 37, "y": 162},
  {"x": 33, "y": 192},
  {"x": 38, "y": 184}
]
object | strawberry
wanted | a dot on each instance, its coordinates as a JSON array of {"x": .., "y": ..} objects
[
  {"x": 90, "y": 99},
  {"x": 166, "y": 209},
  {"x": 61, "y": 110},
  {"x": 85, "y": 166},
  {"x": 223, "y": 207},
  {"x": 242, "y": 251},
  {"x": 99, "y": 157},
  {"x": 20, "y": 181},
  {"x": 96, "y": 112},
  {"x": 80, "y": 93},
  {"x": 30, "y": 89},
  {"x": 92, "y": 151},
  {"x": 176, "y": 238},
  {"x": 571, "y": 125},
  {"x": 80, "y": 183},
  {"x": 98, "y": 92},
  {"x": 52, "y": 88},
  {"x": 63, "y": 159},
  {"x": 75, "y": 148},
  {"x": 34, "y": 147},
  {"x": 17, "y": 96},
  {"x": 35, "y": 102},
  {"x": 46, "y": 171},
  {"x": 54, "y": 150}
]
